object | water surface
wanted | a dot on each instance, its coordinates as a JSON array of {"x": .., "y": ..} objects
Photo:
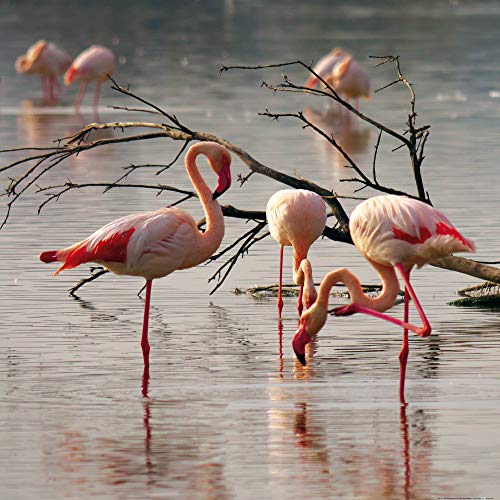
[{"x": 228, "y": 412}]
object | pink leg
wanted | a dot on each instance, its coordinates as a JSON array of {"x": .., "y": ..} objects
[
  {"x": 280, "y": 298},
  {"x": 403, "y": 354},
  {"x": 145, "y": 380},
  {"x": 300, "y": 306},
  {"x": 97, "y": 92},
  {"x": 44, "y": 88},
  {"x": 423, "y": 331},
  {"x": 57, "y": 86},
  {"x": 80, "y": 96},
  {"x": 144, "y": 338},
  {"x": 52, "y": 97}
]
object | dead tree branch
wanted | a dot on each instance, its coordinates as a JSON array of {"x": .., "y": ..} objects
[
  {"x": 415, "y": 142},
  {"x": 45, "y": 159}
]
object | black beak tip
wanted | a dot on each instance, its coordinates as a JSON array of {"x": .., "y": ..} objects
[
  {"x": 301, "y": 358},
  {"x": 215, "y": 195}
]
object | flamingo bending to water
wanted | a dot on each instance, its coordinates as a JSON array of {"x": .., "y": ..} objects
[
  {"x": 350, "y": 80},
  {"x": 392, "y": 232},
  {"x": 154, "y": 244},
  {"x": 324, "y": 67},
  {"x": 95, "y": 63},
  {"x": 48, "y": 61},
  {"x": 296, "y": 218}
]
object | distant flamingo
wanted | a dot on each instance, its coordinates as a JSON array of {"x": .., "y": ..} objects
[
  {"x": 391, "y": 232},
  {"x": 324, "y": 67},
  {"x": 154, "y": 244},
  {"x": 95, "y": 63},
  {"x": 48, "y": 61},
  {"x": 296, "y": 218},
  {"x": 350, "y": 80}
]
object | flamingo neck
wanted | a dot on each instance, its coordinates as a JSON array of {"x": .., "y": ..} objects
[
  {"x": 385, "y": 300},
  {"x": 303, "y": 277},
  {"x": 299, "y": 256},
  {"x": 214, "y": 232}
]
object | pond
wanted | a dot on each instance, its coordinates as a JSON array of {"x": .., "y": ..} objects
[{"x": 227, "y": 411}]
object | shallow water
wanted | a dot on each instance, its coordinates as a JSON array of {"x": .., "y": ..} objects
[{"x": 228, "y": 412}]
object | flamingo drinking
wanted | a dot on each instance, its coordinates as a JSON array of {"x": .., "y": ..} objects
[
  {"x": 296, "y": 218},
  {"x": 154, "y": 244},
  {"x": 324, "y": 67},
  {"x": 350, "y": 80},
  {"x": 48, "y": 61},
  {"x": 95, "y": 63},
  {"x": 392, "y": 232}
]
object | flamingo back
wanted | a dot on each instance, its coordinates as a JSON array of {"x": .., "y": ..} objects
[
  {"x": 94, "y": 63},
  {"x": 351, "y": 79},
  {"x": 150, "y": 244},
  {"x": 325, "y": 66},
  {"x": 394, "y": 229},
  {"x": 44, "y": 58},
  {"x": 296, "y": 217}
]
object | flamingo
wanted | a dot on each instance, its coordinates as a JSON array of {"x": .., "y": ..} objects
[
  {"x": 324, "y": 67},
  {"x": 392, "y": 232},
  {"x": 95, "y": 63},
  {"x": 48, "y": 61},
  {"x": 350, "y": 79},
  {"x": 296, "y": 218},
  {"x": 154, "y": 244}
]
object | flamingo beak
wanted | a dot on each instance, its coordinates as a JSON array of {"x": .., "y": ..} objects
[
  {"x": 224, "y": 181},
  {"x": 300, "y": 339}
]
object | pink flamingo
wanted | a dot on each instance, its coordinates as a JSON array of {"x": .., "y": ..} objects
[
  {"x": 324, "y": 67},
  {"x": 350, "y": 80},
  {"x": 296, "y": 218},
  {"x": 154, "y": 244},
  {"x": 392, "y": 232},
  {"x": 48, "y": 61},
  {"x": 95, "y": 63}
]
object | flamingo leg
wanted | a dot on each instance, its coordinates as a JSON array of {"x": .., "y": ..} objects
[
  {"x": 403, "y": 354},
  {"x": 79, "y": 97},
  {"x": 144, "y": 338},
  {"x": 97, "y": 93},
  {"x": 280, "y": 298},
  {"x": 57, "y": 86},
  {"x": 52, "y": 97},
  {"x": 421, "y": 331},
  {"x": 300, "y": 305},
  {"x": 44, "y": 88},
  {"x": 425, "y": 330}
]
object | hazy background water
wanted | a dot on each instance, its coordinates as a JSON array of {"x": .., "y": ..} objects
[{"x": 226, "y": 416}]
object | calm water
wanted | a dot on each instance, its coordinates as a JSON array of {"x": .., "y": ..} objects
[{"x": 227, "y": 415}]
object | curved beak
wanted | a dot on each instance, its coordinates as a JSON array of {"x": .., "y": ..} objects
[
  {"x": 300, "y": 339},
  {"x": 224, "y": 181}
]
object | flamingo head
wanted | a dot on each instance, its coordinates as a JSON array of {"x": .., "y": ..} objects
[
  {"x": 310, "y": 323},
  {"x": 70, "y": 75},
  {"x": 221, "y": 166},
  {"x": 300, "y": 339}
]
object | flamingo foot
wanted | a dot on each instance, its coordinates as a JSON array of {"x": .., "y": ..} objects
[
  {"x": 403, "y": 357},
  {"x": 344, "y": 310},
  {"x": 280, "y": 306},
  {"x": 145, "y": 353}
]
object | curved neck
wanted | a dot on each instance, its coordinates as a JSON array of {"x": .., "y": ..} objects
[
  {"x": 213, "y": 214},
  {"x": 385, "y": 300},
  {"x": 299, "y": 256},
  {"x": 304, "y": 277}
]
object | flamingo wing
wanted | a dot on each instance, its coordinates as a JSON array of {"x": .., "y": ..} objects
[{"x": 391, "y": 229}]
